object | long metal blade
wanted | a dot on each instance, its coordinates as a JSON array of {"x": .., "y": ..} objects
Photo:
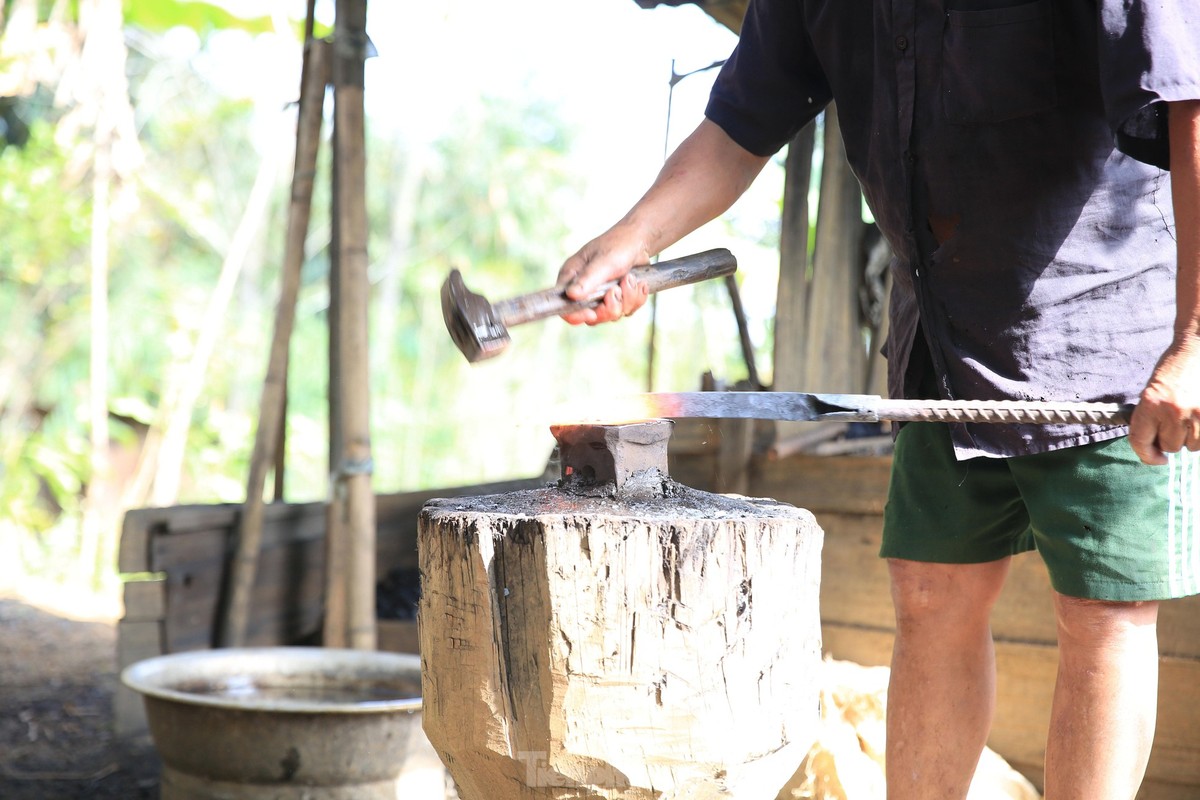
[{"x": 872, "y": 408}]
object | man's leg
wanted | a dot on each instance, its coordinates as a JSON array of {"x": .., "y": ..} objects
[
  {"x": 942, "y": 690},
  {"x": 1105, "y": 699}
]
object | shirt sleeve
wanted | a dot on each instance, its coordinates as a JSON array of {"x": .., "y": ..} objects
[
  {"x": 1149, "y": 56},
  {"x": 772, "y": 84}
]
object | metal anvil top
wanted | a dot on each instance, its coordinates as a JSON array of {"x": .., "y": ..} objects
[{"x": 599, "y": 454}]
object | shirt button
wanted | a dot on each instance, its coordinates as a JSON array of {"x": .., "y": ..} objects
[{"x": 901, "y": 42}]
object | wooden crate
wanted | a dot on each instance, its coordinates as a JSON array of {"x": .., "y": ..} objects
[{"x": 176, "y": 559}]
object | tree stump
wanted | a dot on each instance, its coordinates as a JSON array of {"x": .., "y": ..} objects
[{"x": 659, "y": 642}]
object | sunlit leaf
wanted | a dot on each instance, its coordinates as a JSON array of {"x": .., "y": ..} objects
[{"x": 161, "y": 15}]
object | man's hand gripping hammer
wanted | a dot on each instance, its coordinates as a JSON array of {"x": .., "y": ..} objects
[{"x": 480, "y": 328}]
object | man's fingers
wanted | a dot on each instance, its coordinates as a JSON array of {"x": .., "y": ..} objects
[
  {"x": 633, "y": 294},
  {"x": 1143, "y": 436},
  {"x": 609, "y": 308},
  {"x": 1161, "y": 428},
  {"x": 582, "y": 276},
  {"x": 620, "y": 301}
]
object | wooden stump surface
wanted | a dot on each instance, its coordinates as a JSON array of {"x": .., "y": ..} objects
[{"x": 591, "y": 647}]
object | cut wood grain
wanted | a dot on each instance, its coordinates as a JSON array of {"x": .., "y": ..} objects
[{"x": 571, "y": 652}]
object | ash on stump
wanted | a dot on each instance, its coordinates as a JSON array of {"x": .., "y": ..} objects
[{"x": 651, "y": 641}]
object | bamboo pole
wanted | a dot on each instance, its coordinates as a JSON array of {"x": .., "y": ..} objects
[
  {"x": 244, "y": 567},
  {"x": 353, "y": 498},
  {"x": 333, "y": 631}
]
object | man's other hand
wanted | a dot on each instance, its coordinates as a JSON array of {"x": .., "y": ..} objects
[{"x": 1167, "y": 419}]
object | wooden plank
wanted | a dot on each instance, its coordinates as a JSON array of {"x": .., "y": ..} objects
[
  {"x": 1161, "y": 790},
  {"x": 135, "y": 641},
  {"x": 144, "y": 601},
  {"x": 733, "y": 456},
  {"x": 286, "y": 598},
  {"x": 396, "y": 519},
  {"x": 694, "y": 437},
  {"x": 142, "y": 525},
  {"x": 187, "y": 544},
  {"x": 835, "y": 358},
  {"x": 842, "y": 484},
  {"x": 695, "y": 472},
  {"x": 791, "y": 299},
  {"x": 1176, "y": 756},
  {"x": 138, "y": 640},
  {"x": 1179, "y": 627},
  {"x": 1025, "y": 682},
  {"x": 188, "y": 547}
]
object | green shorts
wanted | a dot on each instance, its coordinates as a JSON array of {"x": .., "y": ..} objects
[{"x": 1108, "y": 526}]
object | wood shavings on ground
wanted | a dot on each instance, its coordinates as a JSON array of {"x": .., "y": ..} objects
[{"x": 846, "y": 762}]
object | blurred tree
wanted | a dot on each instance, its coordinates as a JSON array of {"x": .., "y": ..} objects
[
  {"x": 138, "y": 277},
  {"x": 488, "y": 197},
  {"x": 65, "y": 97}
]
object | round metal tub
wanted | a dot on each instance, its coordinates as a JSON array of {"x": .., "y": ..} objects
[{"x": 284, "y": 723}]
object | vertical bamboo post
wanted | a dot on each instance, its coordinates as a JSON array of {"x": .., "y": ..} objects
[
  {"x": 354, "y": 501},
  {"x": 336, "y": 620},
  {"x": 244, "y": 566}
]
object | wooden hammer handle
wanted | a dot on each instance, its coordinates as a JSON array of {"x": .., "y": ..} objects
[{"x": 663, "y": 275}]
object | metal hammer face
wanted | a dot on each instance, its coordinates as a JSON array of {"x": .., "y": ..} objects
[{"x": 472, "y": 322}]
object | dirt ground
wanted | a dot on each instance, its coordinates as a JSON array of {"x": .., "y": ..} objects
[{"x": 57, "y": 679}]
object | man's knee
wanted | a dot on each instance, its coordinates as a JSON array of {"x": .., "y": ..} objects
[
  {"x": 923, "y": 591},
  {"x": 1084, "y": 621}
]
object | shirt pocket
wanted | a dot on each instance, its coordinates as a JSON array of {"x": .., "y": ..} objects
[{"x": 998, "y": 64}]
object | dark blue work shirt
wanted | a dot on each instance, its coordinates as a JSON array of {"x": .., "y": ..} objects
[{"x": 1010, "y": 153}]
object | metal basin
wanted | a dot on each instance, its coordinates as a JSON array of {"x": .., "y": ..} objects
[{"x": 282, "y": 723}]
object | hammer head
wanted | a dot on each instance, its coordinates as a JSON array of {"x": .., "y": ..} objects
[{"x": 473, "y": 323}]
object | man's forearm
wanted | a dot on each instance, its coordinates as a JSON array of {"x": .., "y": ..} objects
[
  {"x": 701, "y": 180},
  {"x": 1167, "y": 418}
]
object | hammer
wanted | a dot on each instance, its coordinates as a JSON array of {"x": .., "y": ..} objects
[{"x": 480, "y": 328}]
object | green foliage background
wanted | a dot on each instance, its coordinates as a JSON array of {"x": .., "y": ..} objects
[{"x": 487, "y": 197}]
